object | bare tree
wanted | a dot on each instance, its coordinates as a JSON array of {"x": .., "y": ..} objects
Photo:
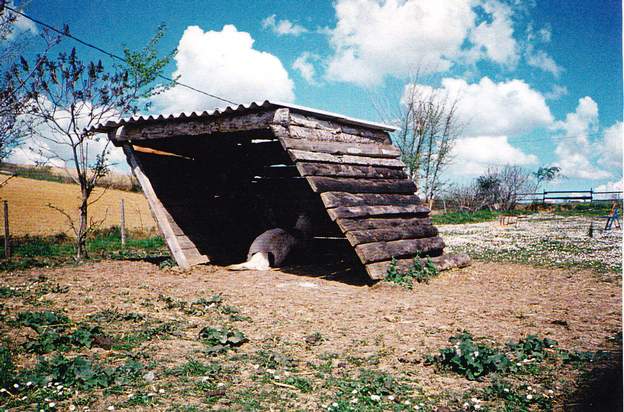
[
  {"x": 66, "y": 97},
  {"x": 499, "y": 188},
  {"x": 427, "y": 129},
  {"x": 11, "y": 100}
]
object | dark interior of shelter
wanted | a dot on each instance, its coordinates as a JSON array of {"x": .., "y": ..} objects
[{"x": 223, "y": 190}]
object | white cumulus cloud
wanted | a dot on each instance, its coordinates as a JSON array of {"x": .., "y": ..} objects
[
  {"x": 488, "y": 108},
  {"x": 20, "y": 24},
  {"x": 373, "y": 38},
  {"x": 473, "y": 155},
  {"x": 611, "y": 146},
  {"x": 282, "y": 27},
  {"x": 495, "y": 38},
  {"x": 223, "y": 63},
  {"x": 303, "y": 64},
  {"x": 574, "y": 150}
]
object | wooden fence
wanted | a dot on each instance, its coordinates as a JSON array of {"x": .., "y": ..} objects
[{"x": 566, "y": 196}]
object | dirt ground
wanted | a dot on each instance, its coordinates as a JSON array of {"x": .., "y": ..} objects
[{"x": 396, "y": 326}]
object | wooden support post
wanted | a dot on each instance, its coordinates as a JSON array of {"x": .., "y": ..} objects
[
  {"x": 7, "y": 232},
  {"x": 122, "y": 223}
]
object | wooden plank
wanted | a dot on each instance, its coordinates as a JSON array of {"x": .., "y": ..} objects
[
  {"x": 298, "y": 132},
  {"x": 358, "y": 237},
  {"x": 349, "y": 185},
  {"x": 378, "y": 251},
  {"x": 347, "y": 225},
  {"x": 161, "y": 216},
  {"x": 340, "y": 148},
  {"x": 195, "y": 127},
  {"x": 342, "y": 170},
  {"x": 360, "y": 211},
  {"x": 336, "y": 127},
  {"x": 378, "y": 270},
  {"x": 302, "y": 155},
  {"x": 336, "y": 199}
]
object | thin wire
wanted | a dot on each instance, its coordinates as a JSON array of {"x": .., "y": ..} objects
[{"x": 112, "y": 55}]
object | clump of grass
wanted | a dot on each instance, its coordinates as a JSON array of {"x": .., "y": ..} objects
[{"x": 415, "y": 272}]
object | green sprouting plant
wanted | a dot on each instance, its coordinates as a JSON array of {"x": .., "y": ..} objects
[
  {"x": 55, "y": 339},
  {"x": 370, "y": 391},
  {"x": 471, "y": 359},
  {"x": 269, "y": 359},
  {"x": 518, "y": 398},
  {"x": 299, "y": 382},
  {"x": 415, "y": 272},
  {"x": 220, "y": 340},
  {"x": 532, "y": 347},
  {"x": 39, "y": 321}
]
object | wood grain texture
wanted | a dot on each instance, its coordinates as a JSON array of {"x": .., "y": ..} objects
[
  {"x": 358, "y": 237},
  {"x": 372, "y": 223},
  {"x": 344, "y": 170},
  {"x": 306, "y": 156},
  {"x": 366, "y": 211},
  {"x": 349, "y": 185},
  {"x": 378, "y": 270},
  {"x": 336, "y": 199},
  {"x": 196, "y": 127},
  {"x": 375, "y": 252},
  {"x": 341, "y": 148}
]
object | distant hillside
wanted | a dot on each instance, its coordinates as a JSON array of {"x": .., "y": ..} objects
[
  {"x": 30, "y": 214},
  {"x": 56, "y": 174}
]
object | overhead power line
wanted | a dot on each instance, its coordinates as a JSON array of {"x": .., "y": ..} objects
[{"x": 65, "y": 33}]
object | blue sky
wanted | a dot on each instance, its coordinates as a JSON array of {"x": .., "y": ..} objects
[{"x": 541, "y": 81}]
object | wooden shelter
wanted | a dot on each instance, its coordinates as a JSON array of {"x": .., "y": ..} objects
[{"x": 215, "y": 180}]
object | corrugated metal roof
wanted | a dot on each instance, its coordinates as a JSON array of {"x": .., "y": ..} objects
[{"x": 253, "y": 106}]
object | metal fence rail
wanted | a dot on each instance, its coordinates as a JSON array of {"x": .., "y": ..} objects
[{"x": 569, "y": 196}]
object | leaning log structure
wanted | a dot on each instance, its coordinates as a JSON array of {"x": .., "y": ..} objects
[{"x": 215, "y": 180}]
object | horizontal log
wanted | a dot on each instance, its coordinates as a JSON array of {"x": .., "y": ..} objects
[
  {"x": 195, "y": 127},
  {"x": 347, "y": 225},
  {"x": 361, "y": 211},
  {"x": 335, "y": 127},
  {"x": 302, "y": 155},
  {"x": 330, "y": 184},
  {"x": 358, "y": 237},
  {"x": 379, "y": 270},
  {"x": 341, "y": 170},
  {"x": 340, "y": 148},
  {"x": 375, "y": 252},
  {"x": 336, "y": 199}
]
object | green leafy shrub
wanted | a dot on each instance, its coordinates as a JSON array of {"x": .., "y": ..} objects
[
  {"x": 269, "y": 359},
  {"x": 471, "y": 359},
  {"x": 39, "y": 321},
  {"x": 532, "y": 347},
  {"x": 416, "y": 272},
  {"x": 220, "y": 340}
]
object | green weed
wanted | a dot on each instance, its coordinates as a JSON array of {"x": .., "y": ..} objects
[
  {"x": 220, "y": 340},
  {"x": 416, "y": 272}
]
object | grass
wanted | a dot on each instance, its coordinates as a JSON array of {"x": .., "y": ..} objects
[
  {"x": 458, "y": 218},
  {"x": 255, "y": 373},
  {"x": 42, "y": 251}
]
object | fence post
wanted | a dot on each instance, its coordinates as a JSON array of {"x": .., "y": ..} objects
[
  {"x": 591, "y": 195},
  {"x": 543, "y": 196},
  {"x": 122, "y": 224},
  {"x": 7, "y": 233}
]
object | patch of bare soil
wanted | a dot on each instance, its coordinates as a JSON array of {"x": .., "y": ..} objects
[{"x": 382, "y": 325}]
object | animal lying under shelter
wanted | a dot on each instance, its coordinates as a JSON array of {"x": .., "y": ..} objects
[{"x": 215, "y": 180}]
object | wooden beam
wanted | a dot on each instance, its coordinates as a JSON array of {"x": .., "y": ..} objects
[
  {"x": 361, "y": 211},
  {"x": 340, "y": 148},
  {"x": 358, "y": 237},
  {"x": 337, "y": 199},
  {"x": 342, "y": 170},
  {"x": 302, "y": 155},
  {"x": 373, "y": 223},
  {"x": 226, "y": 123},
  {"x": 379, "y": 270},
  {"x": 161, "y": 216},
  {"x": 330, "y": 184},
  {"x": 298, "y": 122},
  {"x": 158, "y": 152},
  {"x": 375, "y": 252}
]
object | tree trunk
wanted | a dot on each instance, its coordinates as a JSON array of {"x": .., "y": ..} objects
[{"x": 81, "y": 236}]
